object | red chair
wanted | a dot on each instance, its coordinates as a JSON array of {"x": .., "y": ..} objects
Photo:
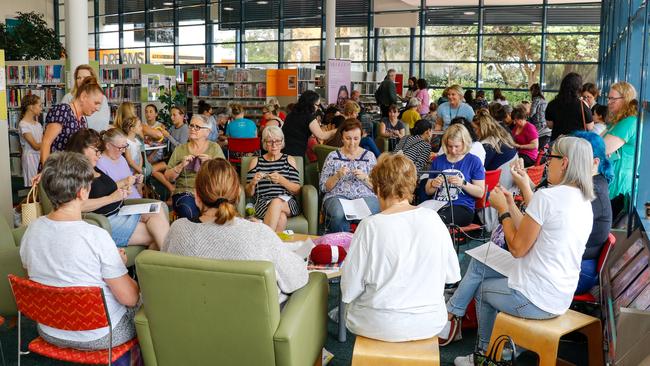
[
  {"x": 241, "y": 146},
  {"x": 66, "y": 308},
  {"x": 536, "y": 173},
  {"x": 491, "y": 180},
  {"x": 541, "y": 154},
  {"x": 587, "y": 297}
]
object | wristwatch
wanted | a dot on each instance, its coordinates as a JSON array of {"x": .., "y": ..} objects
[{"x": 504, "y": 216}]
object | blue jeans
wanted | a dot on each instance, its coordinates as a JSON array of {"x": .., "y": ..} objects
[
  {"x": 335, "y": 221},
  {"x": 481, "y": 281},
  {"x": 588, "y": 275},
  {"x": 184, "y": 205}
]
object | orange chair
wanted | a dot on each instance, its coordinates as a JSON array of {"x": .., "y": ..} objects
[
  {"x": 67, "y": 308},
  {"x": 241, "y": 146},
  {"x": 536, "y": 173},
  {"x": 587, "y": 297}
]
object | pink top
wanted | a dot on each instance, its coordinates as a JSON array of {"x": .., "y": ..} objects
[
  {"x": 423, "y": 97},
  {"x": 525, "y": 137},
  {"x": 117, "y": 170}
]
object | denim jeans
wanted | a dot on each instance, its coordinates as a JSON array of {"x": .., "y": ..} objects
[
  {"x": 184, "y": 205},
  {"x": 588, "y": 275},
  {"x": 335, "y": 221},
  {"x": 491, "y": 291}
]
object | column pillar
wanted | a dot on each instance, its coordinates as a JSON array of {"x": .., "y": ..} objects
[
  {"x": 330, "y": 30},
  {"x": 76, "y": 34}
]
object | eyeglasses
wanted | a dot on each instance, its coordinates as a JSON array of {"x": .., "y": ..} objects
[
  {"x": 198, "y": 128},
  {"x": 551, "y": 156},
  {"x": 274, "y": 142},
  {"x": 609, "y": 99},
  {"x": 97, "y": 151},
  {"x": 121, "y": 148}
]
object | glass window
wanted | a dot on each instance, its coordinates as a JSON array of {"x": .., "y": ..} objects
[
  {"x": 394, "y": 49},
  {"x": 261, "y": 52},
  {"x": 109, "y": 57},
  {"x": 161, "y": 36},
  {"x": 223, "y": 54},
  {"x": 301, "y": 51},
  {"x": 91, "y": 41},
  {"x": 191, "y": 54},
  {"x": 161, "y": 18},
  {"x": 261, "y": 34},
  {"x": 355, "y": 49},
  {"x": 400, "y": 67},
  {"x": 109, "y": 23},
  {"x": 572, "y": 47},
  {"x": 192, "y": 14},
  {"x": 451, "y": 21},
  {"x": 573, "y": 28},
  {"x": 454, "y": 48},
  {"x": 192, "y": 34},
  {"x": 302, "y": 33},
  {"x": 512, "y": 48},
  {"x": 554, "y": 73},
  {"x": 91, "y": 25},
  {"x": 445, "y": 74},
  {"x": 136, "y": 20},
  {"x": 133, "y": 38},
  {"x": 133, "y": 56},
  {"x": 161, "y": 55},
  {"x": 515, "y": 76},
  {"x": 109, "y": 40},
  {"x": 351, "y": 32},
  {"x": 223, "y": 36}
]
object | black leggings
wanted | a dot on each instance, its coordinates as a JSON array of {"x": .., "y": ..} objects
[
  {"x": 619, "y": 208},
  {"x": 463, "y": 215}
]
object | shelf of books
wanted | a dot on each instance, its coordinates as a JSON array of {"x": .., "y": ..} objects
[
  {"x": 137, "y": 83},
  {"x": 625, "y": 293}
]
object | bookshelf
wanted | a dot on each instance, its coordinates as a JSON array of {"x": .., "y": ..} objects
[
  {"x": 43, "y": 78},
  {"x": 136, "y": 83}
]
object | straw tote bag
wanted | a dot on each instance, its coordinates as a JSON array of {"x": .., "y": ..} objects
[{"x": 31, "y": 209}]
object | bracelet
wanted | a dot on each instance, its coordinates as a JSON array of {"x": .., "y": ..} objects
[{"x": 504, "y": 216}]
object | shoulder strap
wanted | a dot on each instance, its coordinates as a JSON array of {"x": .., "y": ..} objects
[{"x": 582, "y": 112}]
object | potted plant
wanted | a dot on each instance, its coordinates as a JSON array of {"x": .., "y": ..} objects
[{"x": 30, "y": 39}]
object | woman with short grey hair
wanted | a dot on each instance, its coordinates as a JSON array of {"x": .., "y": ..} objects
[
  {"x": 547, "y": 244},
  {"x": 62, "y": 250},
  {"x": 273, "y": 181}
]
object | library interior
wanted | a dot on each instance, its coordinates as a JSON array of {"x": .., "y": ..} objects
[{"x": 324, "y": 182}]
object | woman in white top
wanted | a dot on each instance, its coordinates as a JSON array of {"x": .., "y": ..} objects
[
  {"x": 403, "y": 250},
  {"x": 547, "y": 243},
  {"x": 99, "y": 120},
  {"x": 31, "y": 136},
  {"x": 62, "y": 250}
]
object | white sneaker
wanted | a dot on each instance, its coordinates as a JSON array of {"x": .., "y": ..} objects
[{"x": 464, "y": 360}]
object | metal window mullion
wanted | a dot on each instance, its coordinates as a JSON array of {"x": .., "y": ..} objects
[
  {"x": 96, "y": 35},
  {"x": 176, "y": 37},
  {"x": 323, "y": 27},
  {"x": 411, "y": 51},
  {"x": 56, "y": 18},
  {"x": 147, "y": 41},
  {"x": 371, "y": 61},
  {"x": 120, "y": 27},
  {"x": 242, "y": 34},
  {"x": 479, "y": 47},
  {"x": 542, "y": 72},
  {"x": 208, "y": 32},
  {"x": 281, "y": 34},
  {"x": 423, "y": 22}
]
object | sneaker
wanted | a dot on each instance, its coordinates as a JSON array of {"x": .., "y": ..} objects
[
  {"x": 451, "y": 332},
  {"x": 464, "y": 360}
]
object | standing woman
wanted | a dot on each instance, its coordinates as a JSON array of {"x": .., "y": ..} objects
[
  {"x": 620, "y": 140},
  {"x": 525, "y": 136},
  {"x": 205, "y": 109},
  {"x": 412, "y": 89},
  {"x": 240, "y": 127},
  {"x": 31, "y": 135},
  {"x": 499, "y": 97},
  {"x": 423, "y": 96},
  {"x": 196, "y": 152},
  {"x": 538, "y": 115},
  {"x": 63, "y": 120},
  {"x": 455, "y": 107},
  {"x": 301, "y": 123},
  {"x": 590, "y": 94},
  {"x": 99, "y": 120},
  {"x": 270, "y": 117},
  {"x": 564, "y": 114},
  {"x": 274, "y": 181},
  {"x": 465, "y": 176}
]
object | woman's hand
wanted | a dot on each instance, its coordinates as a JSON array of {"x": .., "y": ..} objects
[
  {"x": 498, "y": 199},
  {"x": 342, "y": 172},
  {"x": 186, "y": 161},
  {"x": 123, "y": 255},
  {"x": 36, "y": 179},
  {"x": 257, "y": 178},
  {"x": 360, "y": 175},
  {"x": 276, "y": 177},
  {"x": 119, "y": 195},
  {"x": 204, "y": 157},
  {"x": 519, "y": 175},
  {"x": 436, "y": 182},
  {"x": 455, "y": 180}
]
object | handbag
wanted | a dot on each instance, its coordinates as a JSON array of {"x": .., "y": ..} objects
[
  {"x": 490, "y": 359},
  {"x": 31, "y": 209}
]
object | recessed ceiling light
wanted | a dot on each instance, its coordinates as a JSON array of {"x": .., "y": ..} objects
[
  {"x": 168, "y": 3},
  {"x": 469, "y": 13},
  {"x": 227, "y": 8},
  {"x": 262, "y": 2},
  {"x": 536, "y": 23}
]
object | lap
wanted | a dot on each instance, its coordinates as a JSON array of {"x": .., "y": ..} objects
[{"x": 122, "y": 228}]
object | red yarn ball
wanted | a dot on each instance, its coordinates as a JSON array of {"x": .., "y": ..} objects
[{"x": 326, "y": 254}]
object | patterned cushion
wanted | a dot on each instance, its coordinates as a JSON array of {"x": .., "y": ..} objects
[{"x": 40, "y": 346}]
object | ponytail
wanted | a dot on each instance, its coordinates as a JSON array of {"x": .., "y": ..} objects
[{"x": 217, "y": 186}]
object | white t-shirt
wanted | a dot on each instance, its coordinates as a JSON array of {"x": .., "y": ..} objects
[
  {"x": 135, "y": 147},
  {"x": 73, "y": 253},
  {"x": 394, "y": 275},
  {"x": 548, "y": 274},
  {"x": 33, "y": 128},
  {"x": 98, "y": 121}
]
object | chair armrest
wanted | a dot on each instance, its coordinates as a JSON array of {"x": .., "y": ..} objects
[
  {"x": 10, "y": 263},
  {"x": 302, "y": 331},
  {"x": 309, "y": 197},
  {"x": 98, "y": 220},
  {"x": 18, "y": 234},
  {"x": 241, "y": 205},
  {"x": 144, "y": 337}
]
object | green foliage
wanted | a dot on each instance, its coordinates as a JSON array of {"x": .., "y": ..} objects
[
  {"x": 30, "y": 39},
  {"x": 169, "y": 98}
]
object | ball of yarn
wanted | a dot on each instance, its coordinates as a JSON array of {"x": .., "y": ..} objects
[{"x": 326, "y": 254}]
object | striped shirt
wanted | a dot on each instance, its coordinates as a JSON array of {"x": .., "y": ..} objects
[
  {"x": 266, "y": 190},
  {"x": 416, "y": 149}
]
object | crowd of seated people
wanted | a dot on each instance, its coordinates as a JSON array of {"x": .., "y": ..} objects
[{"x": 556, "y": 242}]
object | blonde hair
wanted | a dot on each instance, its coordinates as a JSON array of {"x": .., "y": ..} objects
[
  {"x": 490, "y": 132},
  {"x": 217, "y": 186},
  {"x": 351, "y": 107},
  {"x": 111, "y": 134},
  {"x": 76, "y": 74},
  {"x": 627, "y": 91},
  {"x": 236, "y": 109},
  {"x": 124, "y": 111},
  {"x": 457, "y": 132},
  {"x": 271, "y": 108},
  {"x": 580, "y": 155},
  {"x": 394, "y": 176},
  {"x": 457, "y": 88}
]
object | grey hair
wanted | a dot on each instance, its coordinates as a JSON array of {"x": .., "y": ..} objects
[
  {"x": 203, "y": 119},
  {"x": 272, "y": 131},
  {"x": 578, "y": 172},
  {"x": 63, "y": 175}
]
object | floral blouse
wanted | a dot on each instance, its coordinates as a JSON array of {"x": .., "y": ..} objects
[
  {"x": 348, "y": 186},
  {"x": 63, "y": 115}
]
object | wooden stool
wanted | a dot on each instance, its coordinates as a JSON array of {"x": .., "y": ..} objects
[
  {"x": 543, "y": 336},
  {"x": 371, "y": 352}
]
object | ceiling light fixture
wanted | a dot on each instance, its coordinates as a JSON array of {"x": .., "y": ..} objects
[
  {"x": 168, "y": 3},
  {"x": 227, "y": 8},
  {"x": 536, "y": 23},
  {"x": 262, "y": 2},
  {"x": 469, "y": 13}
]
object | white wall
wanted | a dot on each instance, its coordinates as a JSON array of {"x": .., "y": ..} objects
[{"x": 8, "y": 9}]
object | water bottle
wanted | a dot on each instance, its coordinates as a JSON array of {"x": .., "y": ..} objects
[{"x": 250, "y": 209}]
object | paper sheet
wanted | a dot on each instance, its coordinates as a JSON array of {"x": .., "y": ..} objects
[
  {"x": 143, "y": 208},
  {"x": 301, "y": 248},
  {"x": 494, "y": 257},
  {"x": 433, "y": 204},
  {"x": 355, "y": 209},
  {"x": 285, "y": 197}
]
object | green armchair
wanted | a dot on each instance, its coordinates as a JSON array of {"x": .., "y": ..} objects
[
  {"x": 10, "y": 263},
  {"x": 307, "y": 221},
  {"x": 226, "y": 313},
  {"x": 102, "y": 221}
]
